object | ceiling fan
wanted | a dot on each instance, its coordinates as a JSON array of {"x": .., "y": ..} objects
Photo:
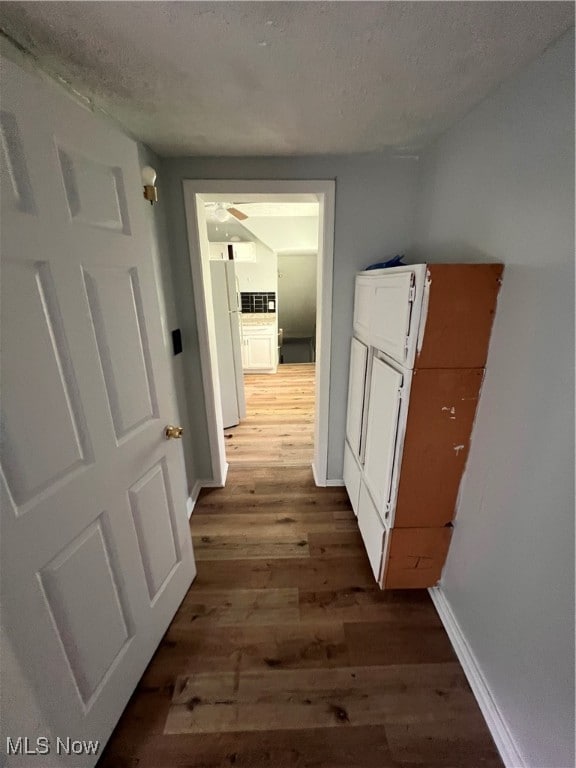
[{"x": 222, "y": 212}]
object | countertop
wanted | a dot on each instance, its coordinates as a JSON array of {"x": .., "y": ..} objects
[{"x": 258, "y": 318}]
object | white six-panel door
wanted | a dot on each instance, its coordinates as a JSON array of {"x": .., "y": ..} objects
[{"x": 95, "y": 543}]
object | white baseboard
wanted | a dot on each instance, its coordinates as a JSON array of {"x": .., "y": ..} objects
[
  {"x": 494, "y": 718},
  {"x": 315, "y": 476},
  {"x": 210, "y": 484},
  {"x": 195, "y": 492},
  {"x": 335, "y": 483},
  {"x": 193, "y": 498}
]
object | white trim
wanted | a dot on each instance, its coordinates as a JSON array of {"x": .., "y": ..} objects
[
  {"x": 193, "y": 498},
  {"x": 202, "y": 287},
  {"x": 316, "y": 476},
  {"x": 209, "y": 190},
  {"x": 335, "y": 483},
  {"x": 494, "y": 718},
  {"x": 197, "y": 487}
]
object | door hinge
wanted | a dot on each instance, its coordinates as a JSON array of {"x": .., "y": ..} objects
[{"x": 412, "y": 294}]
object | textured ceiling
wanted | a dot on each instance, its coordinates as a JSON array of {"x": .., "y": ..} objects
[{"x": 263, "y": 78}]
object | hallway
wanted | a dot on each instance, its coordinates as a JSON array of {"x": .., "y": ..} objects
[
  {"x": 284, "y": 653},
  {"x": 279, "y": 424}
]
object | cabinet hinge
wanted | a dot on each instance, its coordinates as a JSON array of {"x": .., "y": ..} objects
[{"x": 412, "y": 294}]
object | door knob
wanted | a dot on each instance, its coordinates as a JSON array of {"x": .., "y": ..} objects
[{"x": 173, "y": 433}]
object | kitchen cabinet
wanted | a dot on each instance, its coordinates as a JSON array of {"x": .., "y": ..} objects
[
  {"x": 238, "y": 251},
  {"x": 421, "y": 336},
  {"x": 260, "y": 349}
]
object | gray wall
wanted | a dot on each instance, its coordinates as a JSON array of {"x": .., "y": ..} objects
[
  {"x": 374, "y": 218},
  {"x": 157, "y": 219},
  {"x": 500, "y": 186}
]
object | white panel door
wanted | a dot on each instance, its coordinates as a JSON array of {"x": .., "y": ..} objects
[
  {"x": 96, "y": 547},
  {"x": 381, "y": 431},
  {"x": 363, "y": 299},
  {"x": 372, "y": 531},
  {"x": 356, "y": 385},
  {"x": 391, "y": 313},
  {"x": 352, "y": 475}
]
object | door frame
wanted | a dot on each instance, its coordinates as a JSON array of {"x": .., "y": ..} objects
[{"x": 212, "y": 190}]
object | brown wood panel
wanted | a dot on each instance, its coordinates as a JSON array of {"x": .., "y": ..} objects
[
  {"x": 438, "y": 432},
  {"x": 240, "y": 606},
  {"x": 360, "y": 747},
  {"x": 270, "y": 525},
  {"x": 250, "y": 547},
  {"x": 384, "y": 642},
  {"x": 315, "y": 698},
  {"x": 336, "y": 544},
  {"x": 368, "y": 604},
  {"x": 313, "y": 573},
  {"x": 189, "y": 648},
  {"x": 416, "y": 557},
  {"x": 460, "y": 314}
]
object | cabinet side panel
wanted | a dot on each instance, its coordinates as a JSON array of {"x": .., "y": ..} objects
[
  {"x": 416, "y": 557},
  {"x": 460, "y": 314},
  {"x": 438, "y": 431}
]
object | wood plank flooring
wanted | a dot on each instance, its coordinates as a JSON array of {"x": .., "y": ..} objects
[
  {"x": 284, "y": 653},
  {"x": 279, "y": 424}
]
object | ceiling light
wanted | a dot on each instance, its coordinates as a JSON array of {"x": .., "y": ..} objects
[{"x": 220, "y": 213}]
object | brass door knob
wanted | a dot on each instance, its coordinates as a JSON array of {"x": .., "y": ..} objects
[{"x": 173, "y": 433}]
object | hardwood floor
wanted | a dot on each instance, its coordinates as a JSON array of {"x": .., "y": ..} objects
[
  {"x": 285, "y": 654},
  {"x": 279, "y": 424}
]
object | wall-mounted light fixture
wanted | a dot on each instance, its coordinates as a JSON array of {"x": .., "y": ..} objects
[{"x": 148, "y": 179}]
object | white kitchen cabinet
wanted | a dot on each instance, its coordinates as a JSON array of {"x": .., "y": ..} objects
[
  {"x": 421, "y": 336},
  {"x": 244, "y": 251},
  {"x": 384, "y": 316},
  {"x": 238, "y": 251},
  {"x": 260, "y": 349}
]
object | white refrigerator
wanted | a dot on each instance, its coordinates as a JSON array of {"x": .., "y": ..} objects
[{"x": 226, "y": 302}]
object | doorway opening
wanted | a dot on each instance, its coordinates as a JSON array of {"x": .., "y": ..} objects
[{"x": 261, "y": 255}]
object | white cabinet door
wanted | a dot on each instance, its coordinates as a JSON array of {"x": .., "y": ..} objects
[
  {"x": 244, "y": 251},
  {"x": 219, "y": 251},
  {"x": 373, "y": 532},
  {"x": 356, "y": 385},
  {"x": 96, "y": 546},
  {"x": 381, "y": 431},
  {"x": 391, "y": 313},
  {"x": 352, "y": 475},
  {"x": 260, "y": 352},
  {"x": 363, "y": 299}
]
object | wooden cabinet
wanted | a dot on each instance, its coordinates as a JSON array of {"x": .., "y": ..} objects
[
  {"x": 260, "y": 349},
  {"x": 421, "y": 336}
]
